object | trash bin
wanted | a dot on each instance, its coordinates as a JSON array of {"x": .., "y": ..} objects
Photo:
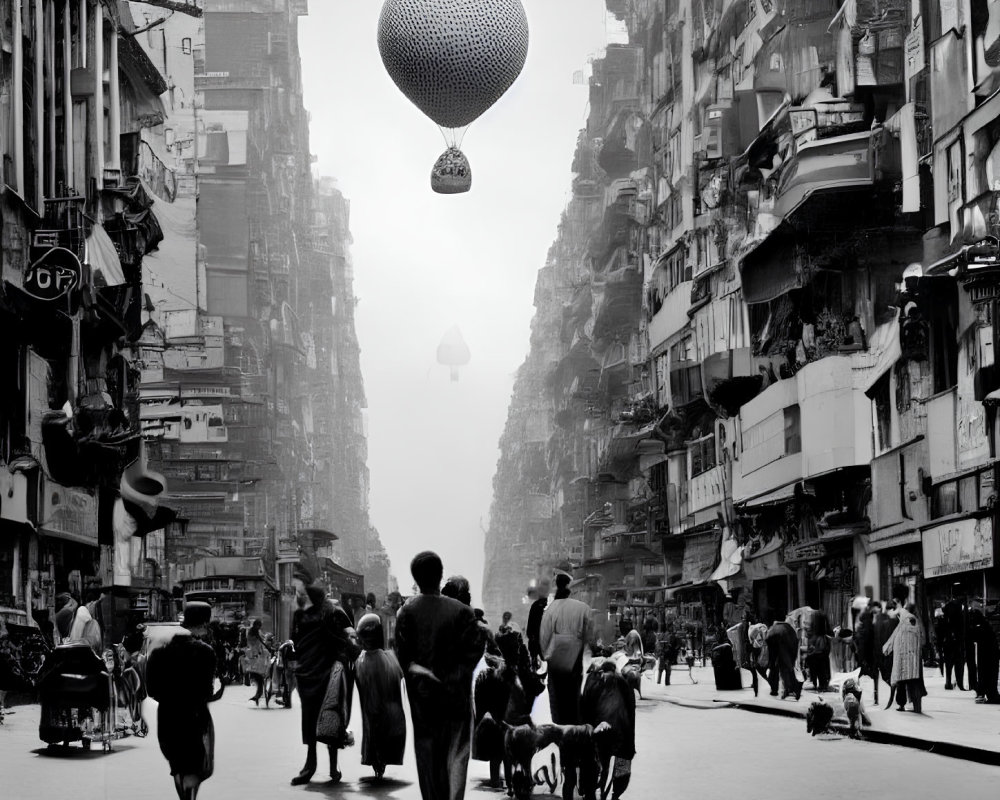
[{"x": 727, "y": 674}]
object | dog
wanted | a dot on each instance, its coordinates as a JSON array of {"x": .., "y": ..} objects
[
  {"x": 818, "y": 717},
  {"x": 850, "y": 693},
  {"x": 578, "y": 752}
]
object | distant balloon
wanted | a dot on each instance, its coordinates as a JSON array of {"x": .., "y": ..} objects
[
  {"x": 453, "y": 352},
  {"x": 453, "y": 59}
]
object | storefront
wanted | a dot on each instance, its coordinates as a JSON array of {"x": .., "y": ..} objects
[
  {"x": 959, "y": 560},
  {"x": 903, "y": 566}
]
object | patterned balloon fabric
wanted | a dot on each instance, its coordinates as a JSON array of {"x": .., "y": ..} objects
[
  {"x": 451, "y": 173},
  {"x": 453, "y": 58}
]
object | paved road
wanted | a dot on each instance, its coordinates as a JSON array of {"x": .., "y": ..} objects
[{"x": 707, "y": 754}]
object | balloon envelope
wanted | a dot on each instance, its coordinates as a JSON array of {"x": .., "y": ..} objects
[
  {"x": 453, "y": 351},
  {"x": 453, "y": 58}
]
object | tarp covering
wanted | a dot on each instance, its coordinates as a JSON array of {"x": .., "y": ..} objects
[{"x": 701, "y": 553}]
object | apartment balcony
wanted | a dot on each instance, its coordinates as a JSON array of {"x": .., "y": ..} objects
[
  {"x": 617, "y": 301},
  {"x": 672, "y": 316},
  {"x": 802, "y": 427}
]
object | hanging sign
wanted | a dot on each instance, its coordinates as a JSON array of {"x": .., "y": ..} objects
[{"x": 53, "y": 275}]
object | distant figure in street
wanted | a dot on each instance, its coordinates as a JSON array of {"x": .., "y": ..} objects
[
  {"x": 650, "y": 627},
  {"x": 667, "y": 647},
  {"x": 534, "y": 627},
  {"x": 566, "y": 630},
  {"x": 906, "y": 645},
  {"x": 179, "y": 676},
  {"x": 258, "y": 657},
  {"x": 438, "y": 643},
  {"x": 324, "y": 647},
  {"x": 380, "y": 691},
  {"x": 625, "y": 624},
  {"x": 505, "y": 626}
]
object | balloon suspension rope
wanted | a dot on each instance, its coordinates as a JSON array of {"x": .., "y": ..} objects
[{"x": 453, "y": 136}]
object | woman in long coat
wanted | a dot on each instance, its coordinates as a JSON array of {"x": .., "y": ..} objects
[
  {"x": 906, "y": 645},
  {"x": 380, "y": 680},
  {"x": 258, "y": 658}
]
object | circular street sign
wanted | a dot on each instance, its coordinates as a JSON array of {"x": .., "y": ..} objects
[{"x": 53, "y": 275}]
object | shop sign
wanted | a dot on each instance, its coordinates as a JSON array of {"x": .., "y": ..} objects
[
  {"x": 960, "y": 546},
  {"x": 984, "y": 253},
  {"x": 701, "y": 554},
  {"x": 69, "y": 513},
  {"x": 53, "y": 275},
  {"x": 913, "y": 48},
  {"x": 803, "y": 552}
]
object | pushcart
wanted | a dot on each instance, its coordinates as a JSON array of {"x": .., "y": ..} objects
[{"x": 77, "y": 697}]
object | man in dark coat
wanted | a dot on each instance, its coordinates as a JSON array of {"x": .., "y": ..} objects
[
  {"x": 323, "y": 637},
  {"x": 534, "y": 627},
  {"x": 950, "y": 631},
  {"x": 982, "y": 635},
  {"x": 782, "y": 647},
  {"x": 179, "y": 676},
  {"x": 439, "y": 644}
]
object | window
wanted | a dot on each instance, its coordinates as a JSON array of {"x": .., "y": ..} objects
[
  {"x": 793, "y": 430},
  {"x": 702, "y": 454}
]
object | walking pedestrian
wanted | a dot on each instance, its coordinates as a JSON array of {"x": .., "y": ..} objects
[
  {"x": 987, "y": 656},
  {"x": 438, "y": 644},
  {"x": 758, "y": 653},
  {"x": 818, "y": 651},
  {"x": 650, "y": 627},
  {"x": 905, "y": 645},
  {"x": 380, "y": 691},
  {"x": 782, "y": 648},
  {"x": 566, "y": 629},
  {"x": 180, "y": 677},
  {"x": 534, "y": 627},
  {"x": 667, "y": 647},
  {"x": 505, "y": 626},
  {"x": 324, "y": 646},
  {"x": 258, "y": 657}
]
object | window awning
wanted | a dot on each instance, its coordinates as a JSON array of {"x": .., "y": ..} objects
[{"x": 883, "y": 352}]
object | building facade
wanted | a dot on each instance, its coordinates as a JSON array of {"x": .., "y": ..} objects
[{"x": 770, "y": 383}]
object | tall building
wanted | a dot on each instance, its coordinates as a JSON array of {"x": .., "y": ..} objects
[
  {"x": 773, "y": 378},
  {"x": 76, "y": 222}
]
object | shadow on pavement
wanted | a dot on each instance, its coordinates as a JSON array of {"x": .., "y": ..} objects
[
  {"x": 76, "y": 752},
  {"x": 368, "y": 786}
]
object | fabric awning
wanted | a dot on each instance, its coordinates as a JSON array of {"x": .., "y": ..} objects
[
  {"x": 701, "y": 554},
  {"x": 883, "y": 352},
  {"x": 731, "y": 558},
  {"x": 103, "y": 258},
  {"x": 777, "y": 496},
  {"x": 767, "y": 562}
]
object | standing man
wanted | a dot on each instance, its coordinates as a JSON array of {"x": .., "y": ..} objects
[
  {"x": 439, "y": 644},
  {"x": 323, "y": 639},
  {"x": 533, "y": 630},
  {"x": 180, "y": 677},
  {"x": 566, "y": 629}
]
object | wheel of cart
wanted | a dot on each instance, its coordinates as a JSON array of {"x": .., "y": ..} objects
[{"x": 77, "y": 698}]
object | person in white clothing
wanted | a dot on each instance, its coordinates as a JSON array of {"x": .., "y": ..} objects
[{"x": 565, "y": 631}]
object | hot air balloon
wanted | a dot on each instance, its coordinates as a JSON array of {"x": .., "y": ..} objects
[
  {"x": 453, "y": 352},
  {"x": 453, "y": 59}
]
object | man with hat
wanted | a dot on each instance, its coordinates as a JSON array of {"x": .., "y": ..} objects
[
  {"x": 324, "y": 638},
  {"x": 180, "y": 677}
]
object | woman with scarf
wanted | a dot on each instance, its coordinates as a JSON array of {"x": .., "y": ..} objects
[
  {"x": 380, "y": 691},
  {"x": 324, "y": 648}
]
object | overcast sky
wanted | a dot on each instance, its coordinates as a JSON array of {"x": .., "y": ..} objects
[{"x": 425, "y": 262}]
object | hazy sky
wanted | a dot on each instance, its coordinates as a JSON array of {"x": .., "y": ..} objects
[{"x": 425, "y": 262}]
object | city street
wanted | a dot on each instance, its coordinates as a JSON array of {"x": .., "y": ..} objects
[{"x": 718, "y": 753}]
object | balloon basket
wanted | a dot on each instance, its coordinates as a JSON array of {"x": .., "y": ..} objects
[{"x": 451, "y": 173}]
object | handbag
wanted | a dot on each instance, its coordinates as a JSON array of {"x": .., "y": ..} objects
[{"x": 335, "y": 712}]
